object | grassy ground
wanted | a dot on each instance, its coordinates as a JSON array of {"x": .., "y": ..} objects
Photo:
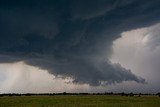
[{"x": 80, "y": 101}]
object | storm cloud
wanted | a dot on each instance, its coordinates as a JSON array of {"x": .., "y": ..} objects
[{"x": 72, "y": 38}]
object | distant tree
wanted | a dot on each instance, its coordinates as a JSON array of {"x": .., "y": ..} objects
[
  {"x": 158, "y": 94},
  {"x": 139, "y": 94},
  {"x": 122, "y": 94},
  {"x": 131, "y": 94},
  {"x": 111, "y": 93},
  {"x": 64, "y": 93}
]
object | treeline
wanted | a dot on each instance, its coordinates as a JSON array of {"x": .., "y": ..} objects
[{"x": 65, "y": 93}]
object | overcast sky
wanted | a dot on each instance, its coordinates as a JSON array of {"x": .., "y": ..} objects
[{"x": 79, "y": 46}]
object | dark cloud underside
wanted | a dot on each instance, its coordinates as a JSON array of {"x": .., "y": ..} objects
[{"x": 72, "y": 37}]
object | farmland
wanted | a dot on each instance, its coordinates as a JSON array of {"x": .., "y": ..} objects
[{"x": 80, "y": 101}]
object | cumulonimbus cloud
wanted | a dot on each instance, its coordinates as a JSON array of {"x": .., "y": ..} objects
[{"x": 71, "y": 40}]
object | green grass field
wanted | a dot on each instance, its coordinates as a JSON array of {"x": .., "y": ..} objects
[{"x": 80, "y": 101}]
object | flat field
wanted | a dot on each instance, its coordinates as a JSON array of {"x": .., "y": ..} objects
[{"x": 80, "y": 101}]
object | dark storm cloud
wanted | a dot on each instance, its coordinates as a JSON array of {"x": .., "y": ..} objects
[{"x": 72, "y": 37}]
